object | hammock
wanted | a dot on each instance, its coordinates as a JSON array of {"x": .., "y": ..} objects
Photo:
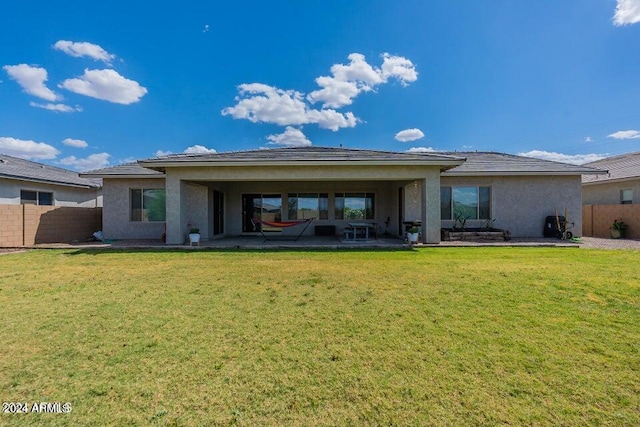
[{"x": 282, "y": 224}]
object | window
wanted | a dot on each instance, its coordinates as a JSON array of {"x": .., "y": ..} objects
[
  {"x": 308, "y": 205},
  {"x": 41, "y": 198},
  {"x": 466, "y": 202},
  {"x": 626, "y": 197},
  {"x": 355, "y": 206},
  {"x": 148, "y": 205}
]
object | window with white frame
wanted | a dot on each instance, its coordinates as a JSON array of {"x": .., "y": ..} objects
[
  {"x": 626, "y": 196},
  {"x": 465, "y": 202},
  {"x": 42, "y": 198},
  {"x": 308, "y": 205},
  {"x": 148, "y": 205}
]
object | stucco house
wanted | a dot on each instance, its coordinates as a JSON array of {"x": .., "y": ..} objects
[
  {"x": 621, "y": 185},
  {"x": 221, "y": 192},
  {"x": 27, "y": 182}
]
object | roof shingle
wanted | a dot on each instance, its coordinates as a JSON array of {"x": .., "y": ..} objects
[{"x": 625, "y": 166}]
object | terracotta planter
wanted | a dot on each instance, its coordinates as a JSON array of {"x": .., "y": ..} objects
[{"x": 616, "y": 233}]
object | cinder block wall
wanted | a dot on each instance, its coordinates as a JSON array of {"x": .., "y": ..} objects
[
  {"x": 26, "y": 225},
  {"x": 11, "y": 219},
  {"x": 596, "y": 220}
]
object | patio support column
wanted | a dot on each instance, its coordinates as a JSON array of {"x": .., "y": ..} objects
[
  {"x": 175, "y": 232},
  {"x": 430, "y": 207}
]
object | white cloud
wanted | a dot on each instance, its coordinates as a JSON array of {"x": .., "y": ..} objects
[
  {"x": 161, "y": 153},
  {"x": 199, "y": 149},
  {"x": 409, "y": 135},
  {"x": 93, "y": 161},
  {"x": 400, "y": 68},
  {"x": 291, "y": 137},
  {"x": 627, "y": 12},
  {"x": 588, "y": 139},
  {"x": 107, "y": 85},
  {"x": 359, "y": 76},
  {"x": 625, "y": 134},
  {"x": 206, "y": 28},
  {"x": 80, "y": 49},
  {"x": 263, "y": 103},
  {"x": 58, "y": 108},
  {"x": 77, "y": 143},
  {"x": 577, "y": 159},
  {"x": 422, "y": 150},
  {"x": 27, "y": 149},
  {"x": 32, "y": 80}
]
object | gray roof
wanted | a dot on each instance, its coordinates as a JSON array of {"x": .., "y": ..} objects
[
  {"x": 490, "y": 163},
  {"x": 125, "y": 170},
  {"x": 625, "y": 166},
  {"x": 458, "y": 163},
  {"x": 303, "y": 154},
  {"x": 26, "y": 170}
]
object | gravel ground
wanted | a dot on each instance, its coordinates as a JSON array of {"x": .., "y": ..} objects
[
  {"x": 597, "y": 243},
  {"x": 585, "y": 243}
]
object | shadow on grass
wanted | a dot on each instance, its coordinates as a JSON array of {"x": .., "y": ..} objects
[{"x": 102, "y": 251}]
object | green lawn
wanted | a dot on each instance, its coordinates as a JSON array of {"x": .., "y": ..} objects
[{"x": 458, "y": 336}]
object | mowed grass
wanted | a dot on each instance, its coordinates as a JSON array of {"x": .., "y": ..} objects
[{"x": 460, "y": 336}]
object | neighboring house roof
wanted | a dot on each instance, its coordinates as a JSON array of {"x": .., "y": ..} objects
[
  {"x": 621, "y": 168},
  {"x": 489, "y": 163},
  {"x": 26, "y": 170},
  {"x": 127, "y": 170},
  {"x": 304, "y": 156}
]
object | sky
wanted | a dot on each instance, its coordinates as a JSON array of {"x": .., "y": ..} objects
[{"x": 85, "y": 85}]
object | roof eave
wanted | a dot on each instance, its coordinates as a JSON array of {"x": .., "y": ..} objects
[
  {"x": 520, "y": 173},
  {"x": 436, "y": 162},
  {"x": 49, "y": 181},
  {"x": 612, "y": 180},
  {"x": 107, "y": 176}
]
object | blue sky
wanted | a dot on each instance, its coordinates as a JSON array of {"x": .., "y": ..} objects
[{"x": 85, "y": 85}]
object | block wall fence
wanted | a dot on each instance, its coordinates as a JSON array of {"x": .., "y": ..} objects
[
  {"x": 27, "y": 225},
  {"x": 596, "y": 220}
]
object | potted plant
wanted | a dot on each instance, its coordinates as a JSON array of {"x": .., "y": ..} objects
[
  {"x": 617, "y": 229},
  {"x": 412, "y": 234},
  {"x": 194, "y": 235}
]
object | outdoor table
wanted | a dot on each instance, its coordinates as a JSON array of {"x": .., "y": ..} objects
[{"x": 361, "y": 226}]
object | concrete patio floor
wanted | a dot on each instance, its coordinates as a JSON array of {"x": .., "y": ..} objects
[{"x": 307, "y": 242}]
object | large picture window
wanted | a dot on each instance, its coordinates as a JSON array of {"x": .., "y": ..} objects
[
  {"x": 148, "y": 204},
  {"x": 308, "y": 205},
  {"x": 41, "y": 198},
  {"x": 351, "y": 206},
  {"x": 465, "y": 202}
]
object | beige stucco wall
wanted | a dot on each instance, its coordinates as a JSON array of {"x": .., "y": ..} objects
[
  {"x": 609, "y": 193},
  {"x": 116, "y": 219},
  {"x": 520, "y": 204},
  {"x": 62, "y": 195}
]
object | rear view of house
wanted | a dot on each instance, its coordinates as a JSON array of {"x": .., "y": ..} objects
[{"x": 224, "y": 193}]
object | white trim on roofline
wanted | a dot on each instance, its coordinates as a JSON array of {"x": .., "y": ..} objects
[
  {"x": 522, "y": 173},
  {"x": 133, "y": 176},
  {"x": 50, "y": 182},
  {"x": 438, "y": 162},
  {"x": 612, "y": 180}
]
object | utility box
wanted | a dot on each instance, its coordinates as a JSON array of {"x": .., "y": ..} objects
[
  {"x": 325, "y": 230},
  {"x": 551, "y": 225}
]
